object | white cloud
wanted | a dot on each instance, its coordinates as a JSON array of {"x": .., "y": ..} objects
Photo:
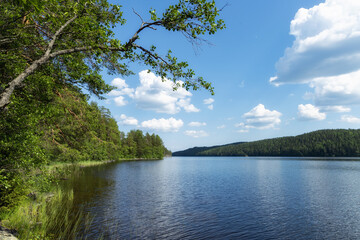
[
  {"x": 340, "y": 109},
  {"x": 154, "y": 94},
  {"x": 197, "y": 124},
  {"x": 120, "y": 101},
  {"x": 114, "y": 93},
  {"x": 261, "y": 118},
  {"x": 243, "y": 131},
  {"x": 187, "y": 106},
  {"x": 310, "y": 112},
  {"x": 338, "y": 90},
  {"x": 165, "y": 125},
  {"x": 325, "y": 53},
  {"x": 221, "y": 127},
  {"x": 129, "y": 121},
  {"x": 125, "y": 91},
  {"x": 122, "y": 89},
  {"x": 196, "y": 134},
  {"x": 350, "y": 119},
  {"x": 208, "y": 101},
  {"x": 119, "y": 83}
]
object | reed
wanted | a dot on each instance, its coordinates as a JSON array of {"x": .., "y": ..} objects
[{"x": 49, "y": 216}]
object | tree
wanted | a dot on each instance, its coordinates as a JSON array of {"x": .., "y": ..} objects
[
  {"x": 76, "y": 39},
  {"x": 50, "y": 50}
]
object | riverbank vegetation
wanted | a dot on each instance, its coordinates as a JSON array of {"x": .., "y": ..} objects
[
  {"x": 52, "y": 57},
  {"x": 70, "y": 130},
  {"x": 40, "y": 146},
  {"x": 322, "y": 143}
]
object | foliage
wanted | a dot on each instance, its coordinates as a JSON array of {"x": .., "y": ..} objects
[
  {"x": 77, "y": 39},
  {"x": 46, "y": 217},
  {"x": 70, "y": 130},
  {"x": 322, "y": 143},
  {"x": 52, "y": 51}
]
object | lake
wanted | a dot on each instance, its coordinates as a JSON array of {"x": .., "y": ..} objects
[{"x": 222, "y": 198}]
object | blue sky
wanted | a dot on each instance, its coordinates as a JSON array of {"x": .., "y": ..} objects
[{"x": 280, "y": 68}]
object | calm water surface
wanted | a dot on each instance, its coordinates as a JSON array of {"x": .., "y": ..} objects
[{"x": 222, "y": 198}]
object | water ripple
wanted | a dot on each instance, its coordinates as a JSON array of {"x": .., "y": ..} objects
[{"x": 222, "y": 198}]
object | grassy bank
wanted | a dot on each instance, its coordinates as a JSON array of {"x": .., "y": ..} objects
[
  {"x": 47, "y": 211},
  {"x": 48, "y": 216}
]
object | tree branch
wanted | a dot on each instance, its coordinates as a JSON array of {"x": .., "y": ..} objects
[
  {"x": 51, "y": 44},
  {"x": 143, "y": 26},
  {"x": 5, "y": 96},
  {"x": 151, "y": 54},
  {"x": 84, "y": 49}
]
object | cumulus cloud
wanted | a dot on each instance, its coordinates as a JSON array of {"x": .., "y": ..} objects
[
  {"x": 310, "y": 112},
  {"x": 350, "y": 119},
  {"x": 187, "y": 106},
  {"x": 325, "y": 53},
  {"x": 129, "y": 121},
  {"x": 196, "y": 134},
  {"x": 338, "y": 90},
  {"x": 154, "y": 94},
  {"x": 221, "y": 127},
  {"x": 125, "y": 91},
  {"x": 164, "y": 125},
  {"x": 120, "y": 101},
  {"x": 119, "y": 83},
  {"x": 197, "y": 124},
  {"x": 208, "y": 101},
  {"x": 261, "y": 118},
  {"x": 121, "y": 89}
]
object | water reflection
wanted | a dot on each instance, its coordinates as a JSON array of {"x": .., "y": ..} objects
[{"x": 222, "y": 198}]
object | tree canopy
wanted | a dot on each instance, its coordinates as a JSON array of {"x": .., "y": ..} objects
[
  {"x": 76, "y": 40},
  {"x": 322, "y": 143},
  {"x": 52, "y": 54}
]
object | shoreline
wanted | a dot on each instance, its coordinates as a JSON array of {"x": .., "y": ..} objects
[{"x": 36, "y": 199}]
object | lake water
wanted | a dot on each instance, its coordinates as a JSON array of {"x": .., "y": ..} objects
[{"x": 222, "y": 198}]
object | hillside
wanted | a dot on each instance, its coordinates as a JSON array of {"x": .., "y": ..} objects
[
  {"x": 196, "y": 150},
  {"x": 322, "y": 143}
]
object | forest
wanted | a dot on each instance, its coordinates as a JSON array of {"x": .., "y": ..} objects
[
  {"x": 61, "y": 126},
  {"x": 53, "y": 55},
  {"x": 321, "y": 143}
]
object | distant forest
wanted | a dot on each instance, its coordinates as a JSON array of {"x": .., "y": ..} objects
[{"x": 322, "y": 143}]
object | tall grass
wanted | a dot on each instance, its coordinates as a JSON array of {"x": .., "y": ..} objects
[
  {"x": 50, "y": 216},
  {"x": 50, "y": 212}
]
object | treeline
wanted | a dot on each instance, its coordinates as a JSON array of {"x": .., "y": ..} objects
[
  {"x": 52, "y": 58},
  {"x": 60, "y": 126},
  {"x": 195, "y": 151},
  {"x": 322, "y": 143},
  {"x": 47, "y": 117}
]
